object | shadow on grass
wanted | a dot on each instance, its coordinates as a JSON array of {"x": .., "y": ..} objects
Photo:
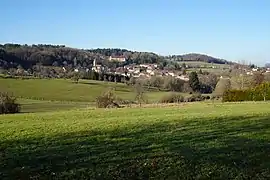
[{"x": 205, "y": 149}]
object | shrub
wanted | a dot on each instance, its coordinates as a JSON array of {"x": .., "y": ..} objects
[
  {"x": 207, "y": 97},
  {"x": 213, "y": 97},
  {"x": 8, "y": 104},
  {"x": 172, "y": 98},
  {"x": 123, "y": 101},
  {"x": 106, "y": 100},
  {"x": 195, "y": 97}
]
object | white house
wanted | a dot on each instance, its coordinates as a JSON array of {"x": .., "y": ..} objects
[{"x": 117, "y": 58}]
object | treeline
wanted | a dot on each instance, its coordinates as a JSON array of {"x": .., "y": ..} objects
[{"x": 92, "y": 75}]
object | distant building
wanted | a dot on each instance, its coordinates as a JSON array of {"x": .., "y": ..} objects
[
  {"x": 117, "y": 58},
  {"x": 97, "y": 68},
  {"x": 184, "y": 78}
]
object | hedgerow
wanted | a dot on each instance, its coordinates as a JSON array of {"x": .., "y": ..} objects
[{"x": 258, "y": 93}]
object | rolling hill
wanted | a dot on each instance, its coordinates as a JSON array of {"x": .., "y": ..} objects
[{"x": 26, "y": 56}]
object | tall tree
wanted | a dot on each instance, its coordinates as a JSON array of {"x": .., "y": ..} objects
[{"x": 194, "y": 81}]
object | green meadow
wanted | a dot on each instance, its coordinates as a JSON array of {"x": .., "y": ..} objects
[
  {"x": 60, "y": 135},
  {"x": 37, "y": 95}
]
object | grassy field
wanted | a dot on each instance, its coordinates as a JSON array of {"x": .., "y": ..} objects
[
  {"x": 204, "y": 66},
  {"x": 190, "y": 141},
  {"x": 43, "y": 95},
  {"x": 66, "y": 90},
  {"x": 207, "y": 65},
  {"x": 31, "y": 106}
]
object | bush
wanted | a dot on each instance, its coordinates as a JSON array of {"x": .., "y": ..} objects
[
  {"x": 123, "y": 101},
  {"x": 207, "y": 97},
  {"x": 8, "y": 104},
  {"x": 107, "y": 100},
  {"x": 213, "y": 97},
  {"x": 172, "y": 98},
  {"x": 195, "y": 97}
]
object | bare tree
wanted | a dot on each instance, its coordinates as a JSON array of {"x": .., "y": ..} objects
[
  {"x": 258, "y": 78},
  {"x": 140, "y": 93},
  {"x": 241, "y": 81}
]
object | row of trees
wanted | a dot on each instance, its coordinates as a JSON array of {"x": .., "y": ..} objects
[{"x": 92, "y": 75}]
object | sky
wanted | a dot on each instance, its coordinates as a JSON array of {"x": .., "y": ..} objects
[{"x": 235, "y": 30}]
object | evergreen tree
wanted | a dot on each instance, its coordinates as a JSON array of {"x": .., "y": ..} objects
[{"x": 194, "y": 81}]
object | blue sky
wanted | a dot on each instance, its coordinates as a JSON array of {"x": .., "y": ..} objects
[{"x": 233, "y": 29}]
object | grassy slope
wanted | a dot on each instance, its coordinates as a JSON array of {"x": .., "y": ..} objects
[
  {"x": 38, "y": 95},
  {"x": 200, "y": 63},
  {"x": 66, "y": 90},
  {"x": 194, "y": 141},
  {"x": 28, "y": 105},
  {"x": 208, "y": 68},
  {"x": 59, "y": 90}
]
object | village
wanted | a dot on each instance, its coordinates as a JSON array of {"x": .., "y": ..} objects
[{"x": 148, "y": 70}]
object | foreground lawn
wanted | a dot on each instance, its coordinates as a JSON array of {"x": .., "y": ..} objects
[
  {"x": 193, "y": 141},
  {"x": 66, "y": 90}
]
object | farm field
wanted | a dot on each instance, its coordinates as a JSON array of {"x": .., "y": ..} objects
[
  {"x": 189, "y": 141},
  {"x": 200, "y": 63}
]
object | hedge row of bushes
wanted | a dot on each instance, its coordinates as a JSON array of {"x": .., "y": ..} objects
[
  {"x": 177, "y": 98},
  {"x": 259, "y": 93}
]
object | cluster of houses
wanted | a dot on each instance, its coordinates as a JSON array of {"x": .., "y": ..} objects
[
  {"x": 142, "y": 70},
  {"x": 254, "y": 70},
  {"x": 147, "y": 70}
]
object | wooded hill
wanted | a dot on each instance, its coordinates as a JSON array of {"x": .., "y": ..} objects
[{"x": 25, "y": 56}]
